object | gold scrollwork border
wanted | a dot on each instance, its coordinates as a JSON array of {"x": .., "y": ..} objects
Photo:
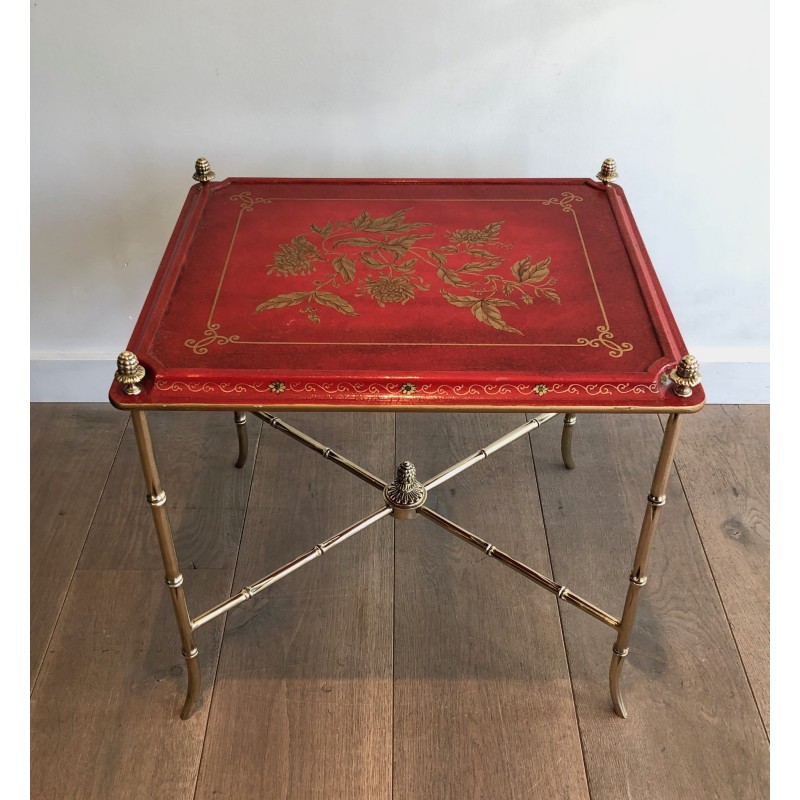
[
  {"x": 565, "y": 201},
  {"x": 211, "y": 336},
  {"x": 407, "y": 389},
  {"x": 606, "y": 339},
  {"x": 248, "y": 201}
]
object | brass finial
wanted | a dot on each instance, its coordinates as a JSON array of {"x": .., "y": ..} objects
[
  {"x": 406, "y": 493},
  {"x": 202, "y": 171},
  {"x": 685, "y": 376},
  {"x": 608, "y": 172},
  {"x": 129, "y": 372}
]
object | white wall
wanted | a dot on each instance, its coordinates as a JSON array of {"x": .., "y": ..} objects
[{"x": 125, "y": 95}]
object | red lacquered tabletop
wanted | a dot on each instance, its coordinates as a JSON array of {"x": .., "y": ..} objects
[{"x": 407, "y": 294}]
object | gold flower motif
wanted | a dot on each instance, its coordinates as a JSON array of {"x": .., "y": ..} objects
[
  {"x": 385, "y": 289},
  {"x": 540, "y": 389},
  {"x": 295, "y": 258},
  {"x": 487, "y": 235},
  {"x": 408, "y": 388},
  {"x": 277, "y": 387}
]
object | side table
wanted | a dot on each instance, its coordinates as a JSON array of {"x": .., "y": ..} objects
[{"x": 406, "y": 295}]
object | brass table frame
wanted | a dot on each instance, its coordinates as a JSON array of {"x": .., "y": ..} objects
[{"x": 404, "y": 498}]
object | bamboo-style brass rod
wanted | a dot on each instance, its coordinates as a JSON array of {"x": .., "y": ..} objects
[
  {"x": 320, "y": 448},
  {"x": 638, "y": 577},
  {"x": 157, "y": 498},
  {"x": 280, "y": 573},
  {"x": 561, "y": 592},
  {"x": 485, "y": 452}
]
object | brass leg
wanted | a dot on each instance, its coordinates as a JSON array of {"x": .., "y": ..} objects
[
  {"x": 157, "y": 499},
  {"x": 240, "y": 418},
  {"x": 566, "y": 440},
  {"x": 656, "y": 500}
]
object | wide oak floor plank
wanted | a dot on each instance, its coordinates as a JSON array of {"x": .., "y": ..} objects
[
  {"x": 72, "y": 450},
  {"x": 483, "y": 705},
  {"x": 694, "y": 729},
  {"x": 104, "y": 719},
  {"x": 724, "y": 470},
  {"x": 302, "y": 704}
]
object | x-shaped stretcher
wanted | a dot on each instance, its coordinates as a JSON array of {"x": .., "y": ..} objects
[{"x": 403, "y": 499}]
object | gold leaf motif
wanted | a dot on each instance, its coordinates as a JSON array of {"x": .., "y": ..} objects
[
  {"x": 405, "y": 266},
  {"x": 539, "y": 272},
  {"x": 461, "y": 302},
  {"x": 334, "y": 301},
  {"x": 326, "y": 231},
  {"x": 451, "y": 277},
  {"x": 487, "y": 311},
  {"x": 360, "y": 220},
  {"x": 357, "y": 241},
  {"x": 525, "y": 272},
  {"x": 283, "y": 300},
  {"x": 296, "y": 298},
  {"x": 345, "y": 267},
  {"x": 393, "y": 223},
  {"x": 552, "y": 294},
  {"x": 404, "y": 242},
  {"x": 479, "y": 266}
]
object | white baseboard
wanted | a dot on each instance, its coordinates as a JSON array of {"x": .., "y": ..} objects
[{"x": 87, "y": 379}]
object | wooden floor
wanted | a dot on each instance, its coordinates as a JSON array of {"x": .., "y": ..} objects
[{"x": 404, "y": 664}]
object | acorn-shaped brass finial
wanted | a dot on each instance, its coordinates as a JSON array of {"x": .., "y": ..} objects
[
  {"x": 685, "y": 376},
  {"x": 406, "y": 492},
  {"x": 129, "y": 372},
  {"x": 202, "y": 171},
  {"x": 608, "y": 172}
]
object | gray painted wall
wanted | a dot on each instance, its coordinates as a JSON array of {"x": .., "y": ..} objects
[{"x": 126, "y": 95}]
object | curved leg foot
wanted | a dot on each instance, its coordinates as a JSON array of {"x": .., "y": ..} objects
[
  {"x": 193, "y": 687},
  {"x": 566, "y": 440},
  {"x": 617, "y": 660},
  {"x": 240, "y": 418}
]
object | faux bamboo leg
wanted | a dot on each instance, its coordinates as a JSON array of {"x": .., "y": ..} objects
[
  {"x": 566, "y": 440},
  {"x": 157, "y": 499},
  {"x": 240, "y": 418},
  {"x": 655, "y": 501}
]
